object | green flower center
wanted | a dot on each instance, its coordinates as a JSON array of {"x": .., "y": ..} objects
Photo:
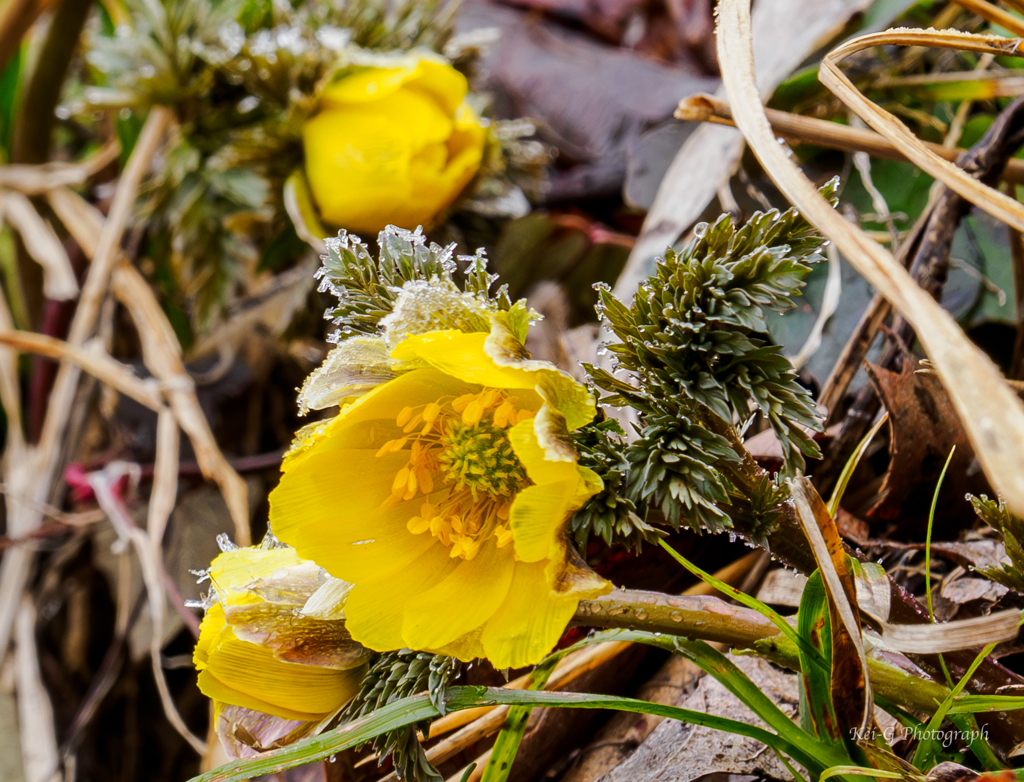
[{"x": 480, "y": 458}]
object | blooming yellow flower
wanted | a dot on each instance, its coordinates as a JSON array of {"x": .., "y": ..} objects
[
  {"x": 392, "y": 145},
  {"x": 257, "y": 648},
  {"x": 443, "y": 496}
]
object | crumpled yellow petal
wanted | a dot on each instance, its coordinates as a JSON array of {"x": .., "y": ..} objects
[{"x": 249, "y": 675}]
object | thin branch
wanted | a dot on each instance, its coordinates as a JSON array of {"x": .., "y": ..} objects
[
  {"x": 92, "y": 359},
  {"x": 823, "y": 133}
]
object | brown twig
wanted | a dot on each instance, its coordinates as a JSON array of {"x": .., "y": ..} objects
[{"x": 823, "y": 133}]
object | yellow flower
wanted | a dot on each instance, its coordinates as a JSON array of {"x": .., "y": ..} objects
[
  {"x": 392, "y": 145},
  {"x": 443, "y": 496},
  {"x": 266, "y": 645}
]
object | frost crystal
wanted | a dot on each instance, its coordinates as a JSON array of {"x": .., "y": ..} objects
[{"x": 423, "y": 306}]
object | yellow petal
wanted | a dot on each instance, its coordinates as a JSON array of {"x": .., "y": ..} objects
[
  {"x": 461, "y": 603},
  {"x": 359, "y": 160},
  {"x": 570, "y": 575},
  {"x": 366, "y": 84},
  {"x": 375, "y": 609},
  {"x": 527, "y": 447},
  {"x": 530, "y": 621},
  {"x": 238, "y": 567},
  {"x": 339, "y": 489},
  {"x": 573, "y": 402},
  {"x": 369, "y": 422},
  {"x": 209, "y": 632},
  {"x": 538, "y": 516},
  {"x": 249, "y": 675},
  {"x": 461, "y": 355},
  {"x": 441, "y": 81}
]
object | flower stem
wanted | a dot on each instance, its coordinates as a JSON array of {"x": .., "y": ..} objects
[{"x": 712, "y": 619}]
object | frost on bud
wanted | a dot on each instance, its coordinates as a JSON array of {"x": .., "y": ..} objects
[{"x": 423, "y": 306}]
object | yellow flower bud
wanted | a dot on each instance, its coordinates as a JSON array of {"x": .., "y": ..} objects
[
  {"x": 392, "y": 145},
  {"x": 259, "y": 649}
]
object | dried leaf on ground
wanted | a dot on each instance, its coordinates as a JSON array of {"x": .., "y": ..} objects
[
  {"x": 677, "y": 752},
  {"x": 924, "y": 427}
]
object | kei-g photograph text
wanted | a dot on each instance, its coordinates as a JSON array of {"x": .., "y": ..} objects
[{"x": 945, "y": 738}]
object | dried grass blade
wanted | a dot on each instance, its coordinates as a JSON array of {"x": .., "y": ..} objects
[
  {"x": 92, "y": 359},
  {"x": 851, "y": 690},
  {"x": 997, "y": 204},
  {"x": 35, "y": 475},
  {"x": 992, "y": 414},
  {"x": 10, "y": 389},
  {"x": 43, "y": 246},
  {"x": 823, "y": 133},
  {"x": 162, "y": 354},
  {"x": 953, "y": 636},
  {"x": 102, "y": 483},
  {"x": 35, "y": 713},
  {"x": 994, "y": 14},
  {"x": 35, "y": 180}
]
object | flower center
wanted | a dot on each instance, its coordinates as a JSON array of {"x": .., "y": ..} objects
[
  {"x": 460, "y": 445},
  {"x": 480, "y": 458}
]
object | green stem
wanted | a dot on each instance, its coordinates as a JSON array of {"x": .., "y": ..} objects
[{"x": 712, "y": 619}]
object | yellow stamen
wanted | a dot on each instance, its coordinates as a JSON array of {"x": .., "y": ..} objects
[
  {"x": 460, "y": 402},
  {"x": 473, "y": 413},
  {"x": 431, "y": 412},
  {"x": 504, "y": 412},
  {"x": 426, "y": 479},
  {"x": 404, "y": 416},
  {"x": 401, "y": 479},
  {"x": 418, "y": 525}
]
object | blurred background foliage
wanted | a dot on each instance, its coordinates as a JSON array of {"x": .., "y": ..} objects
[{"x": 577, "y": 101}]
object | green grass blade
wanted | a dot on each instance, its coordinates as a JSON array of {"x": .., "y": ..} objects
[
  {"x": 418, "y": 707},
  {"x": 750, "y": 602},
  {"x": 858, "y": 771},
  {"x": 926, "y": 750},
  {"x": 817, "y": 715},
  {"x": 507, "y": 744},
  {"x": 976, "y": 704},
  {"x": 851, "y": 465}
]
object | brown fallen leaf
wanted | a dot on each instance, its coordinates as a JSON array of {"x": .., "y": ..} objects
[
  {"x": 677, "y": 752},
  {"x": 924, "y": 428}
]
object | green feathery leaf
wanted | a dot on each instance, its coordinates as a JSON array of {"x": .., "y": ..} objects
[
  {"x": 693, "y": 357},
  {"x": 397, "y": 675},
  {"x": 998, "y": 517}
]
